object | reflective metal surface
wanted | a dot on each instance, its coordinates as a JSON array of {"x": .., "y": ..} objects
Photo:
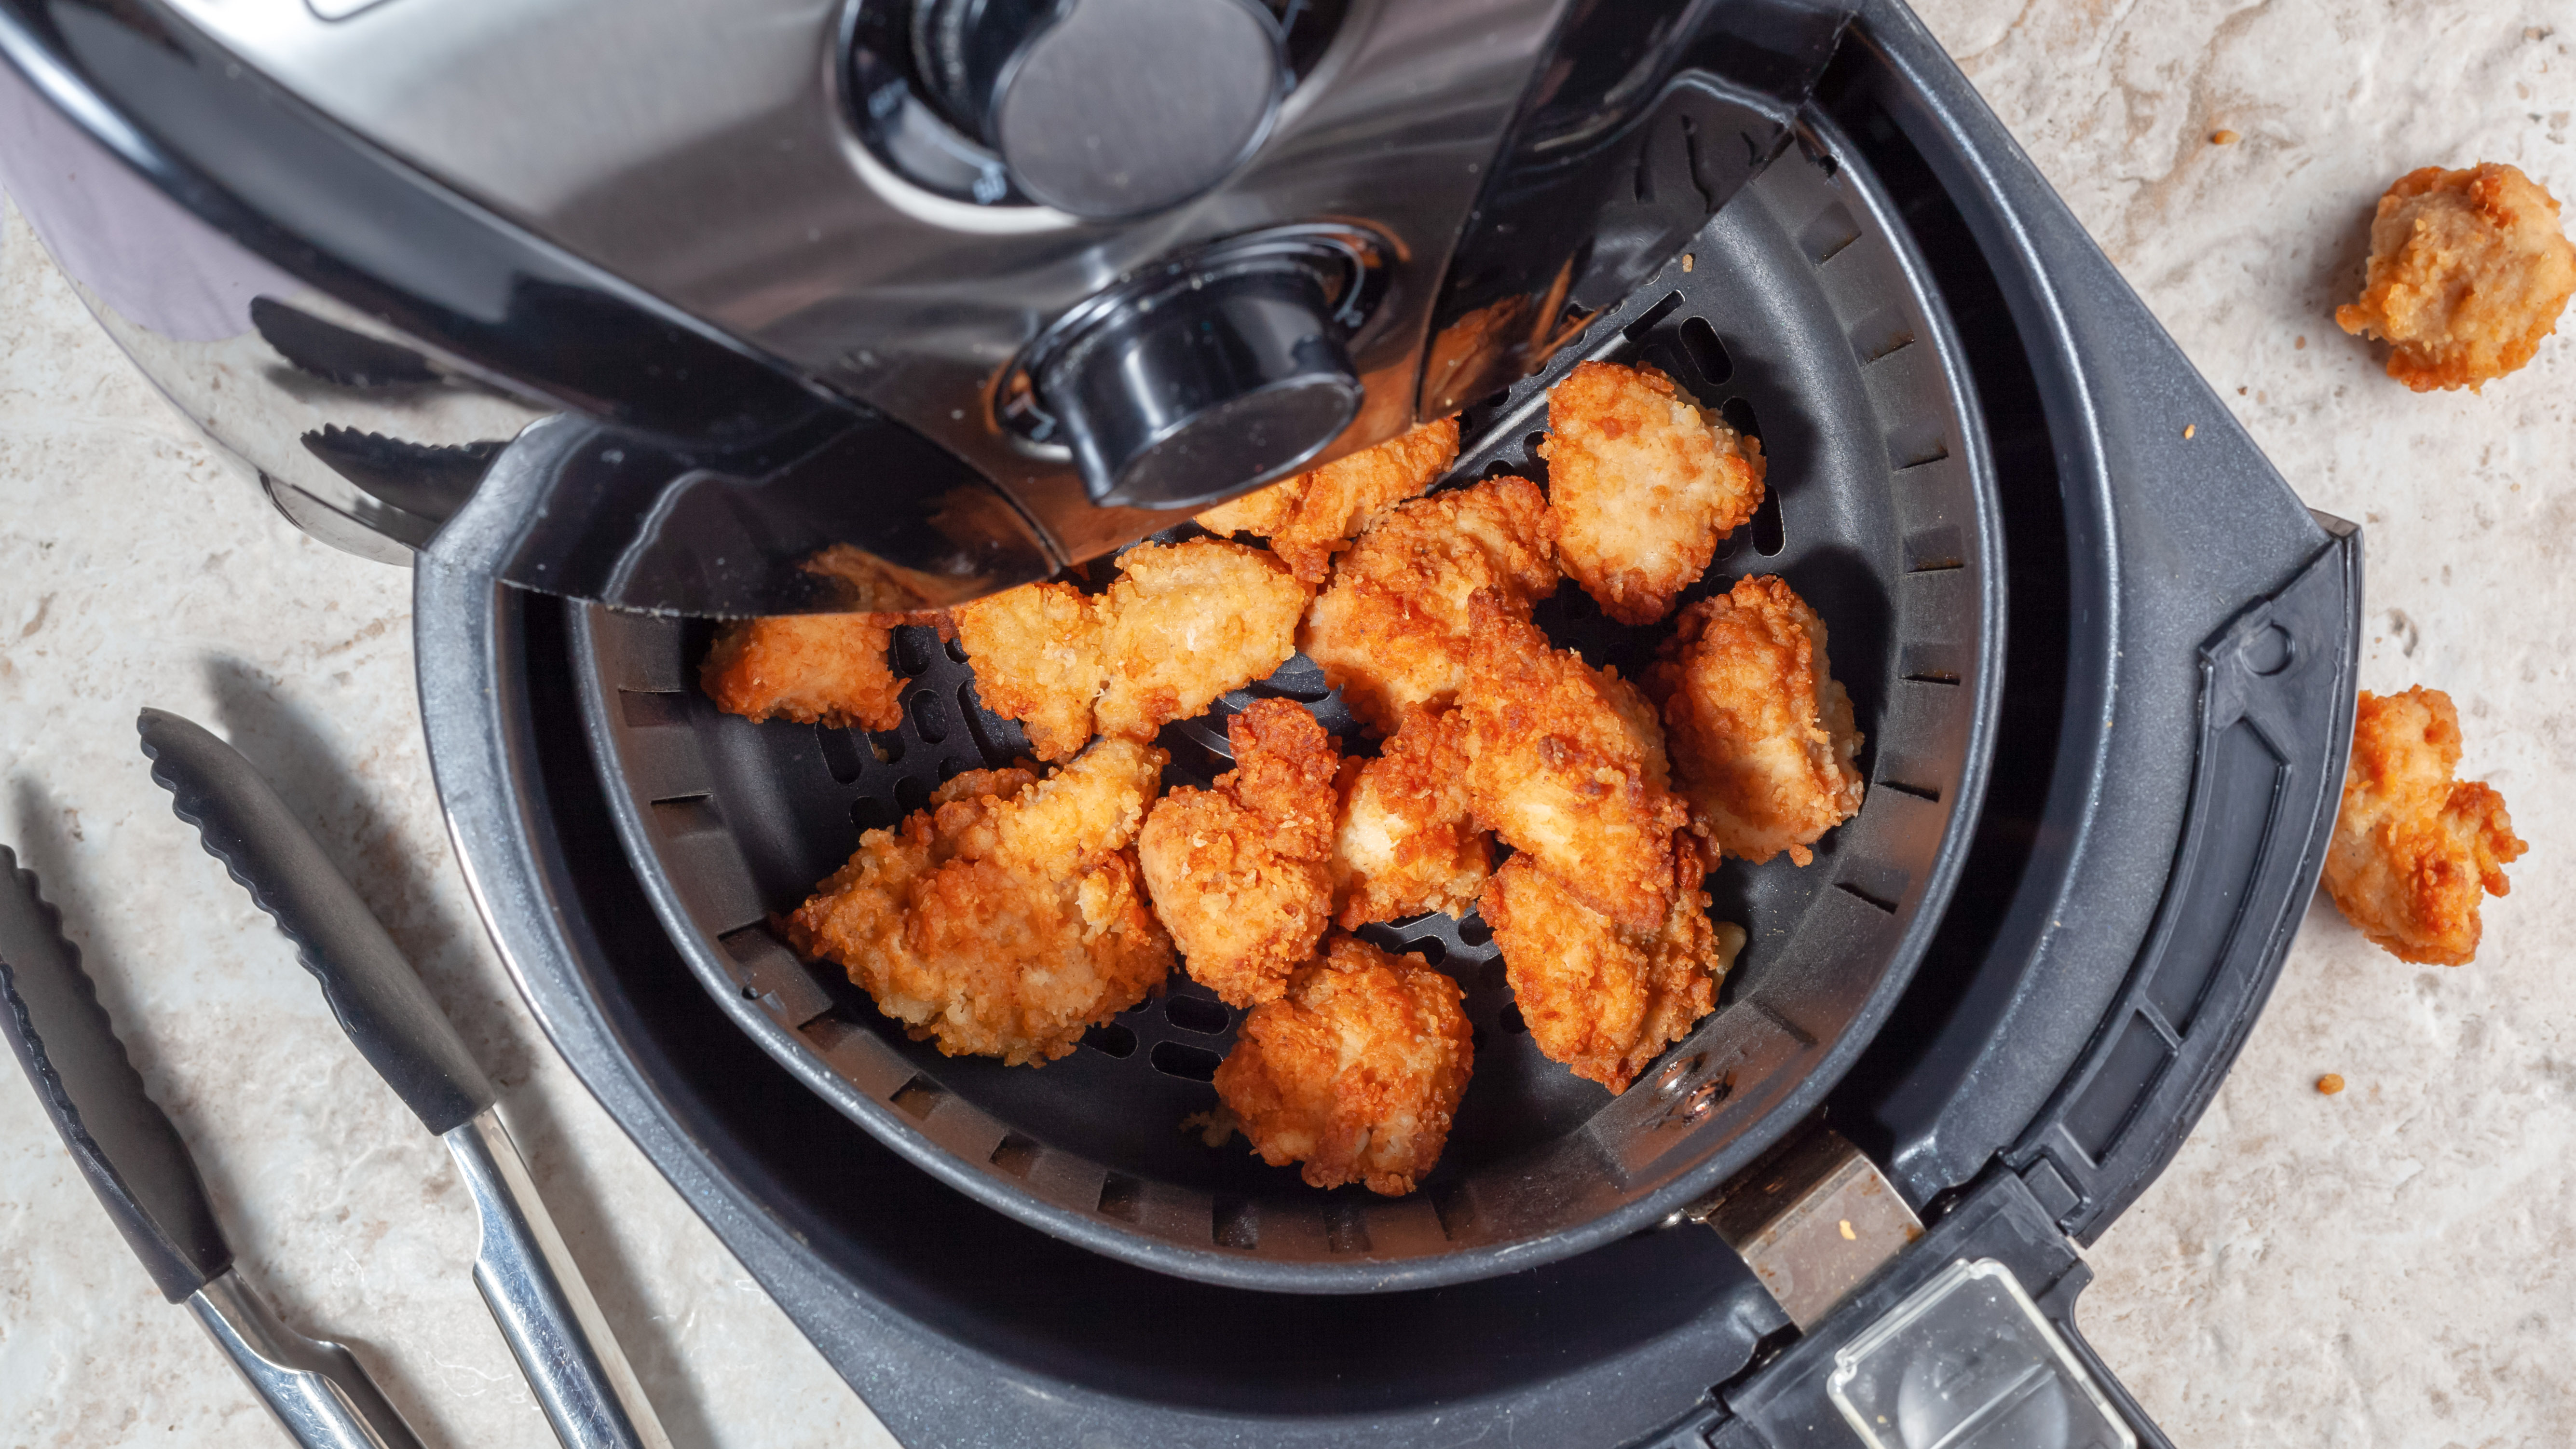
[
  {"x": 707, "y": 154},
  {"x": 536, "y": 1293},
  {"x": 695, "y": 227},
  {"x": 320, "y": 1395}
]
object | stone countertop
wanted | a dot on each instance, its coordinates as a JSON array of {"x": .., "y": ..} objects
[{"x": 2393, "y": 1266}]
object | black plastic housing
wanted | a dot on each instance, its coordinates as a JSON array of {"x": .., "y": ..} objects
[{"x": 2135, "y": 552}]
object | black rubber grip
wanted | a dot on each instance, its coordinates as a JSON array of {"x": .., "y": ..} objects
[
  {"x": 370, "y": 985},
  {"x": 124, "y": 1144}
]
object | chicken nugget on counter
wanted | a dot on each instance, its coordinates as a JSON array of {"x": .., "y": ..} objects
[
  {"x": 827, "y": 669},
  {"x": 2413, "y": 846},
  {"x": 1566, "y": 763},
  {"x": 1602, "y": 1000},
  {"x": 1762, "y": 736},
  {"x": 1643, "y": 484},
  {"x": 1392, "y": 628},
  {"x": 1007, "y": 917},
  {"x": 1189, "y": 621},
  {"x": 1355, "y": 1072},
  {"x": 1405, "y": 841},
  {"x": 1238, "y": 873},
  {"x": 1036, "y": 652},
  {"x": 2469, "y": 270},
  {"x": 1314, "y": 515}
]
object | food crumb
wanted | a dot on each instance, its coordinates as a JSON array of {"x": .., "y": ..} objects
[
  {"x": 2329, "y": 1084},
  {"x": 2223, "y": 137},
  {"x": 2188, "y": 429},
  {"x": 2299, "y": 343},
  {"x": 1213, "y": 1127},
  {"x": 1848, "y": 1235},
  {"x": 1688, "y": 260}
]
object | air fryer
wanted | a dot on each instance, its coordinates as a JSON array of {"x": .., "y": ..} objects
[{"x": 621, "y": 317}]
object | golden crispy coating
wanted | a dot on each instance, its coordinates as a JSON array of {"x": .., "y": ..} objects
[
  {"x": 2468, "y": 271},
  {"x": 1643, "y": 485},
  {"x": 2413, "y": 846},
  {"x": 1392, "y": 630},
  {"x": 1237, "y": 873},
  {"x": 1761, "y": 732},
  {"x": 1356, "y": 1072},
  {"x": 1316, "y": 514},
  {"x": 1007, "y": 917},
  {"x": 1565, "y": 763},
  {"x": 1188, "y": 622},
  {"x": 1036, "y": 653},
  {"x": 825, "y": 669},
  {"x": 1405, "y": 842},
  {"x": 1601, "y": 1000}
]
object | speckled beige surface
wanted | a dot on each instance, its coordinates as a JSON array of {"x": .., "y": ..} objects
[{"x": 2395, "y": 1266}]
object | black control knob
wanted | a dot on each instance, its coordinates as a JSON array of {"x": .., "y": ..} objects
[
  {"x": 1183, "y": 394},
  {"x": 1106, "y": 108}
]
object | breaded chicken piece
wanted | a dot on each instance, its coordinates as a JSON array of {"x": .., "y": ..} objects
[
  {"x": 1762, "y": 735},
  {"x": 1405, "y": 842},
  {"x": 1007, "y": 917},
  {"x": 1316, "y": 514},
  {"x": 2413, "y": 846},
  {"x": 1566, "y": 763},
  {"x": 1356, "y": 1072},
  {"x": 1237, "y": 873},
  {"x": 1644, "y": 485},
  {"x": 1392, "y": 629},
  {"x": 2468, "y": 271},
  {"x": 1604, "y": 1001},
  {"x": 1036, "y": 651},
  {"x": 1189, "y": 621},
  {"x": 827, "y": 669}
]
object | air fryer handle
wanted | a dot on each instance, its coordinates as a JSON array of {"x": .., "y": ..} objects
[{"x": 1952, "y": 1312}]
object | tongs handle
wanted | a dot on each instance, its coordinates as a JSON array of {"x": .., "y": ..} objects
[
  {"x": 320, "y": 1394},
  {"x": 537, "y": 1296}
]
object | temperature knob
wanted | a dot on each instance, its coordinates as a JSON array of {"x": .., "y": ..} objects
[{"x": 1106, "y": 108}]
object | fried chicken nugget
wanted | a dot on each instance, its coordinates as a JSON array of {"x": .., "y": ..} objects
[
  {"x": 2468, "y": 272},
  {"x": 1237, "y": 873},
  {"x": 1007, "y": 917},
  {"x": 1036, "y": 651},
  {"x": 1393, "y": 627},
  {"x": 1644, "y": 485},
  {"x": 827, "y": 669},
  {"x": 2413, "y": 846},
  {"x": 1406, "y": 842},
  {"x": 1762, "y": 736},
  {"x": 1604, "y": 1001},
  {"x": 1356, "y": 1072},
  {"x": 1316, "y": 514},
  {"x": 1567, "y": 764},
  {"x": 1188, "y": 622}
]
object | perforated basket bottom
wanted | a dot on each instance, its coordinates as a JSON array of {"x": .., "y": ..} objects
[{"x": 1797, "y": 317}]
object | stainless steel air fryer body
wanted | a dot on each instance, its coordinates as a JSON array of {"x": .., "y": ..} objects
[{"x": 837, "y": 303}]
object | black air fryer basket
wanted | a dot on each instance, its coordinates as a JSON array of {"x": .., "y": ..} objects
[
  {"x": 2104, "y": 662},
  {"x": 1801, "y": 314}
]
